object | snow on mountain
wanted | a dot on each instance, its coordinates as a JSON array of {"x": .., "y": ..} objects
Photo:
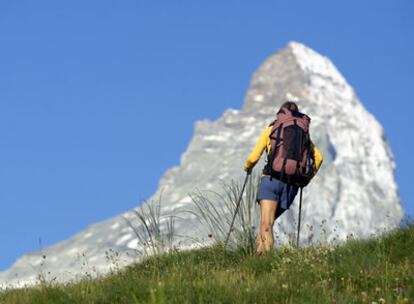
[{"x": 355, "y": 192}]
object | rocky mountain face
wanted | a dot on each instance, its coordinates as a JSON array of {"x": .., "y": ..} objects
[{"x": 354, "y": 194}]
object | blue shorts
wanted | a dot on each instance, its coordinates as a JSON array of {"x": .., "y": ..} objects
[{"x": 275, "y": 190}]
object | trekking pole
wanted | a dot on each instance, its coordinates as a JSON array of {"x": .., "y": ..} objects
[
  {"x": 237, "y": 209},
  {"x": 300, "y": 211}
]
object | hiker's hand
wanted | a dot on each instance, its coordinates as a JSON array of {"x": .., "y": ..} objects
[{"x": 248, "y": 171}]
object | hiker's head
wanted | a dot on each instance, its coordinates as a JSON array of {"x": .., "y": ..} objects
[{"x": 291, "y": 106}]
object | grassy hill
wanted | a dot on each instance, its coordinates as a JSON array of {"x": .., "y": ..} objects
[{"x": 379, "y": 270}]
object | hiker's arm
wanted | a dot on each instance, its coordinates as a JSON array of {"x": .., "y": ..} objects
[{"x": 258, "y": 150}]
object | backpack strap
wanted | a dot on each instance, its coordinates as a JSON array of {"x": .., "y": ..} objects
[
  {"x": 277, "y": 139},
  {"x": 298, "y": 168},
  {"x": 282, "y": 173},
  {"x": 279, "y": 131}
]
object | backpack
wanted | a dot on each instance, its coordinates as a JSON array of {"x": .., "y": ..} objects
[{"x": 290, "y": 158}]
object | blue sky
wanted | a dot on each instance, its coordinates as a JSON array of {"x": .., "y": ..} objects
[{"x": 86, "y": 87}]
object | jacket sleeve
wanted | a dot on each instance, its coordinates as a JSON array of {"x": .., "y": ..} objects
[
  {"x": 261, "y": 144},
  {"x": 317, "y": 155}
]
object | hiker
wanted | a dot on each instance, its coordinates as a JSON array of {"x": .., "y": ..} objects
[{"x": 291, "y": 164}]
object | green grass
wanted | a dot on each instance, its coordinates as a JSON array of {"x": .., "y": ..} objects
[{"x": 377, "y": 270}]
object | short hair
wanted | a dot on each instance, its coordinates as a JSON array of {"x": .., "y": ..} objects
[{"x": 290, "y": 105}]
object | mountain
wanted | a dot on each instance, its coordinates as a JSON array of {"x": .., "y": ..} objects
[{"x": 353, "y": 195}]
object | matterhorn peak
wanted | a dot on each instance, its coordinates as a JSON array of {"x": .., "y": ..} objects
[
  {"x": 313, "y": 62},
  {"x": 301, "y": 67}
]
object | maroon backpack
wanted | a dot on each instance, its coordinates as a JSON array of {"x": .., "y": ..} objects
[{"x": 290, "y": 158}]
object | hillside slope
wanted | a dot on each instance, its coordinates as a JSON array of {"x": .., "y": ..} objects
[{"x": 372, "y": 271}]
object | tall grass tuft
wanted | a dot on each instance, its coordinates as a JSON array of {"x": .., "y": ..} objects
[
  {"x": 216, "y": 210},
  {"x": 154, "y": 232}
]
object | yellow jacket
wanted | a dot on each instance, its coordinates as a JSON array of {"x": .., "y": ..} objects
[{"x": 264, "y": 143}]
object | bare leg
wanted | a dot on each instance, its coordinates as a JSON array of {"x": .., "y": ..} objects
[
  {"x": 259, "y": 244},
  {"x": 264, "y": 240}
]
